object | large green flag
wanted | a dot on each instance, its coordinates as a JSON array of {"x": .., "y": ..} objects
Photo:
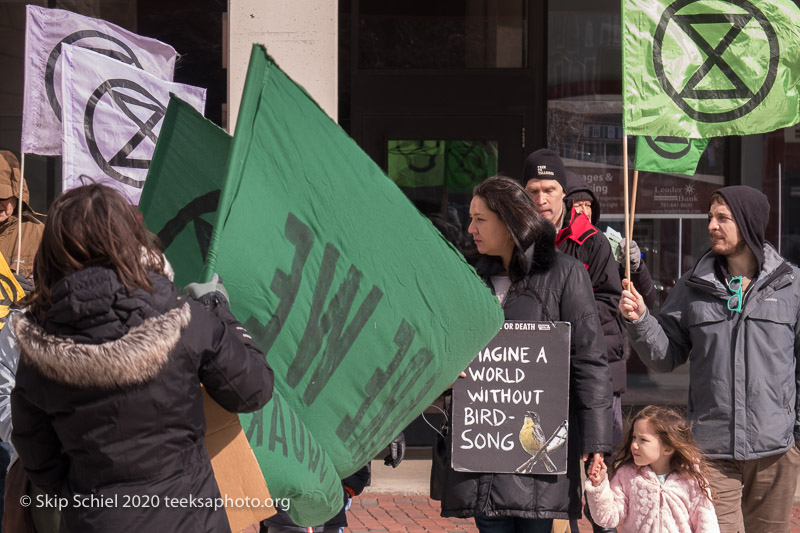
[
  {"x": 710, "y": 68},
  {"x": 673, "y": 155},
  {"x": 179, "y": 203},
  {"x": 365, "y": 312}
]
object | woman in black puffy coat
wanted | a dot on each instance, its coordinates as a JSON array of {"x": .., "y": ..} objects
[
  {"x": 107, "y": 409},
  {"x": 518, "y": 259}
]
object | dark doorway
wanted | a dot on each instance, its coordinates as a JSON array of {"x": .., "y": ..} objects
[{"x": 442, "y": 95}]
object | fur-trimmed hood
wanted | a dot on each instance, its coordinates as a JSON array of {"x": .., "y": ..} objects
[
  {"x": 134, "y": 358},
  {"x": 541, "y": 255},
  {"x": 100, "y": 334}
]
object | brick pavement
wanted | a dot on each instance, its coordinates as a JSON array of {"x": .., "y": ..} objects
[
  {"x": 418, "y": 514},
  {"x": 397, "y": 513}
]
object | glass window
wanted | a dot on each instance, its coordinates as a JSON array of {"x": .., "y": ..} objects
[
  {"x": 438, "y": 177},
  {"x": 584, "y": 124},
  {"x": 416, "y": 34}
]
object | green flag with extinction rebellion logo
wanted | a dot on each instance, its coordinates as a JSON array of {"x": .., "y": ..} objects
[
  {"x": 674, "y": 155},
  {"x": 710, "y": 68},
  {"x": 179, "y": 203}
]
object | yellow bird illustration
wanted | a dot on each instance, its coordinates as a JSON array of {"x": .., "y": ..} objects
[
  {"x": 531, "y": 435},
  {"x": 533, "y": 441}
]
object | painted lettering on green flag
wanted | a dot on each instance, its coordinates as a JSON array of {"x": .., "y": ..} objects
[
  {"x": 710, "y": 68},
  {"x": 673, "y": 155},
  {"x": 365, "y": 312},
  {"x": 179, "y": 203}
]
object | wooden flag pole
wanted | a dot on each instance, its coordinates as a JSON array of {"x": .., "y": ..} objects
[
  {"x": 633, "y": 201},
  {"x": 19, "y": 210},
  {"x": 627, "y": 213}
]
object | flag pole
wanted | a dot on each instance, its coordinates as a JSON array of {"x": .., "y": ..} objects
[
  {"x": 633, "y": 201},
  {"x": 627, "y": 213},
  {"x": 19, "y": 209}
]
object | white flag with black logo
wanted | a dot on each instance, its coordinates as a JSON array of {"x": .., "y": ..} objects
[
  {"x": 112, "y": 117},
  {"x": 45, "y": 32}
]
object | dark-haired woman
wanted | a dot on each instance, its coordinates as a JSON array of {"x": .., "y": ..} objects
[
  {"x": 107, "y": 409},
  {"x": 518, "y": 259}
]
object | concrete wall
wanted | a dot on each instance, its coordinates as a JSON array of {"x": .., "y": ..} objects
[{"x": 301, "y": 35}]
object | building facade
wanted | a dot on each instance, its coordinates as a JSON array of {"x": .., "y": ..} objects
[{"x": 443, "y": 94}]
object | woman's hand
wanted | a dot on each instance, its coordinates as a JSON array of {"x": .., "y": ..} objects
[
  {"x": 631, "y": 305},
  {"x": 597, "y": 473}
]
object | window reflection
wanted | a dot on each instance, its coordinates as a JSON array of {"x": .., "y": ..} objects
[
  {"x": 415, "y": 34},
  {"x": 438, "y": 177},
  {"x": 584, "y": 125}
]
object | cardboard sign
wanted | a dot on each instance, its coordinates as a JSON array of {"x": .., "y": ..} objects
[
  {"x": 511, "y": 412},
  {"x": 235, "y": 467}
]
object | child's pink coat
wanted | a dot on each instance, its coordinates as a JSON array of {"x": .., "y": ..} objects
[{"x": 635, "y": 502}]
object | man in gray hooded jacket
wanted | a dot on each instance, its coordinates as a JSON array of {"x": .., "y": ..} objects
[{"x": 736, "y": 317}]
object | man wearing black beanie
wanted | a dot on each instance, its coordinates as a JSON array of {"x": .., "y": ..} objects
[
  {"x": 736, "y": 317},
  {"x": 547, "y": 183}
]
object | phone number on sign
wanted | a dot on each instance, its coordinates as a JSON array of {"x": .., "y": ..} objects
[{"x": 151, "y": 501}]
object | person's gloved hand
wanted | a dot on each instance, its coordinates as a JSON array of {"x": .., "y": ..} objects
[
  {"x": 210, "y": 294},
  {"x": 397, "y": 449},
  {"x": 25, "y": 283},
  {"x": 636, "y": 255}
]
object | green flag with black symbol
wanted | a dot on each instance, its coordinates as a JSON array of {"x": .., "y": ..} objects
[
  {"x": 710, "y": 68},
  {"x": 673, "y": 155},
  {"x": 179, "y": 204},
  {"x": 364, "y": 311}
]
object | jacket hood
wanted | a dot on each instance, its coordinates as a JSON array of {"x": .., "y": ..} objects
[
  {"x": 98, "y": 333},
  {"x": 575, "y": 184},
  {"x": 541, "y": 256},
  {"x": 134, "y": 358},
  {"x": 9, "y": 178},
  {"x": 750, "y": 210}
]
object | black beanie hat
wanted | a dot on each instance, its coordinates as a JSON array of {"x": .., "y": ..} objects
[
  {"x": 750, "y": 210},
  {"x": 580, "y": 196},
  {"x": 544, "y": 164}
]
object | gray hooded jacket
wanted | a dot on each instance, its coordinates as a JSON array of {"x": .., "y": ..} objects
[{"x": 743, "y": 373}]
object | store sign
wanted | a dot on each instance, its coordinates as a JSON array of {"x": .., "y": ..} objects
[
  {"x": 657, "y": 194},
  {"x": 792, "y": 134},
  {"x": 511, "y": 412}
]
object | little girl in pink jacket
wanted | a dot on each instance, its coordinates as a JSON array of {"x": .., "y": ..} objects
[{"x": 658, "y": 480}]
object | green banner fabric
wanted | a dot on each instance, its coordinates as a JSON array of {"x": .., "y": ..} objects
[
  {"x": 710, "y": 68},
  {"x": 365, "y": 312},
  {"x": 179, "y": 203},
  {"x": 675, "y": 155},
  {"x": 181, "y": 192},
  {"x": 294, "y": 463}
]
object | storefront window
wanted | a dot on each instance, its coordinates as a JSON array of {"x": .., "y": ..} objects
[
  {"x": 415, "y": 34},
  {"x": 584, "y": 124},
  {"x": 438, "y": 177}
]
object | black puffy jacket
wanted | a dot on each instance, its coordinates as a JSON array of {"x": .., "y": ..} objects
[
  {"x": 581, "y": 239},
  {"x": 108, "y": 402},
  {"x": 558, "y": 289}
]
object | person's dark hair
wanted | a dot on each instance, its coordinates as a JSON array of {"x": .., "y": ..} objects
[
  {"x": 93, "y": 225},
  {"x": 506, "y": 197},
  {"x": 718, "y": 198},
  {"x": 674, "y": 432}
]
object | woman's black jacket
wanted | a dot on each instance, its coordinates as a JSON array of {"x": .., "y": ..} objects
[
  {"x": 108, "y": 404},
  {"x": 556, "y": 288}
]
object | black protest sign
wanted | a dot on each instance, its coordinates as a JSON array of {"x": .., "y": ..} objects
[{"x": 511, "y": 412}]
